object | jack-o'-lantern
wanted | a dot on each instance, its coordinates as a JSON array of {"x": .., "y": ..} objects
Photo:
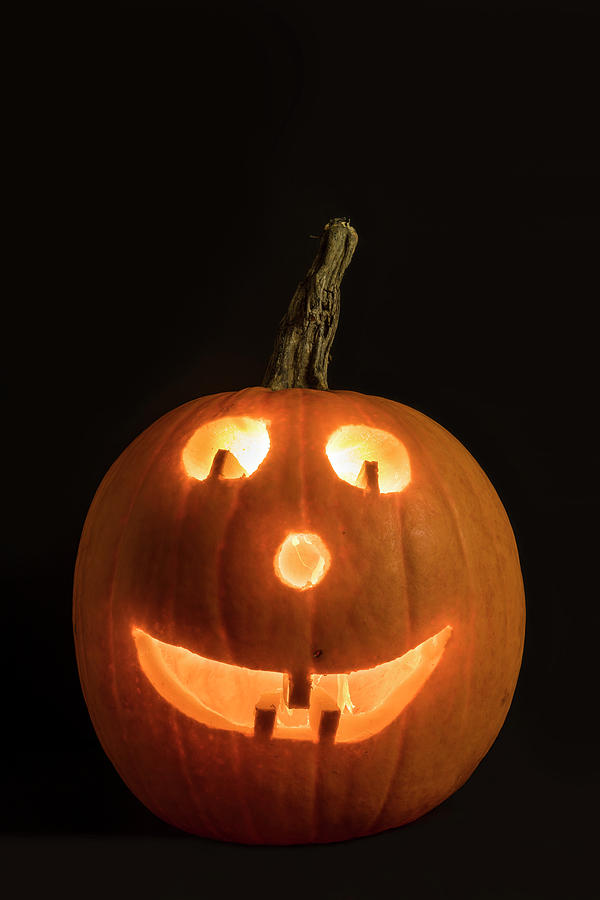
[{"x": 298, "y": 613}]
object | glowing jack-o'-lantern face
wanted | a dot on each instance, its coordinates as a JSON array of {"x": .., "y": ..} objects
[
  {"x": 299, "y": 705},
  {"x": 268, "y": 576}
]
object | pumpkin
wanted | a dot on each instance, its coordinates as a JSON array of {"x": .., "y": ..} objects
[{"x": 298, "y": 613}]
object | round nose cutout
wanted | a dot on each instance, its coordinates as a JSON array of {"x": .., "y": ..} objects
[{"x": 302, "y": 560}]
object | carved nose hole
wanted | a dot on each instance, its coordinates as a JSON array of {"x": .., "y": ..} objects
[{"x": 302, "y": 560}]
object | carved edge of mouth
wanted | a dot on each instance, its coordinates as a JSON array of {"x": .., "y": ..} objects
[{"x": 190, "y": 683}]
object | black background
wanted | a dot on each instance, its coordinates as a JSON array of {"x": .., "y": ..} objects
[{"x": 171, "y": 163}]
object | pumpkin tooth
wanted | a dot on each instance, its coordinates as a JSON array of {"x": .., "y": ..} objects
[
  {"x": 265, "y": 712},
  {"x": 324, "y": 715},
  {"x": 296, "y": 690}
]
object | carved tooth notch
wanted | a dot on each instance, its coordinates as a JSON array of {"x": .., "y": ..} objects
[
  {"x": 324, "y": 715},
  {"x": 265, "y": 712},
  {"x": 296, "y": 690},
  {"x": 226, "y": 465},
  {"x": 368, "y": 477}
]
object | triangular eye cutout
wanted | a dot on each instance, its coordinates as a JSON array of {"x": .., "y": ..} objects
[
  {"x": 369, "y": 458},
  {"x": 231, "y": 447}
]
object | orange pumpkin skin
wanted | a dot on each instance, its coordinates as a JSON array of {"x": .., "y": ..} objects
[{"x": 192, "y": 564}]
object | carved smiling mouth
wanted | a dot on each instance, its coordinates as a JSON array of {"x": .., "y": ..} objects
[{"x": 335, "y": 708}]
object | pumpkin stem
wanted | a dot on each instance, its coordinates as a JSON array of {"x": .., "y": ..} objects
[{"x": 303, "y": 344}]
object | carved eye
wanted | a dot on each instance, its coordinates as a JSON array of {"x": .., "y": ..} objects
[
  {"x": 232, "y": 447},
  {"x": 369, "y": 458}
]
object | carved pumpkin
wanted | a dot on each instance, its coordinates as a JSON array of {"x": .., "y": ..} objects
[{"x": 299, "y": 613}]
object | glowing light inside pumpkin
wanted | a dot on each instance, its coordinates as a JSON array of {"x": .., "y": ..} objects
[
  {"x": 352, "y": 445},
  {"x": 246, "y": 439},
  {"x": 302, "y": 560},
  {"x": 225, "y": 696},
  {"x": 344, "y": 700}
]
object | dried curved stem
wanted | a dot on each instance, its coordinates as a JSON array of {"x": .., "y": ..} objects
[{"x": 303, "y": 344}]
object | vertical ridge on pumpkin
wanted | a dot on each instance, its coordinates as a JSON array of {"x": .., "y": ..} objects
[
  {"x": 467, "y": 655},
  {"x": 233, "y": 745},
  {"x": 161, "y": 444},
  {"x": 466, "y": 658},
  {"x": 306, "y": 518},
  {"x": 182, "y": 750},
  {"x": 233, "y": 742}
]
